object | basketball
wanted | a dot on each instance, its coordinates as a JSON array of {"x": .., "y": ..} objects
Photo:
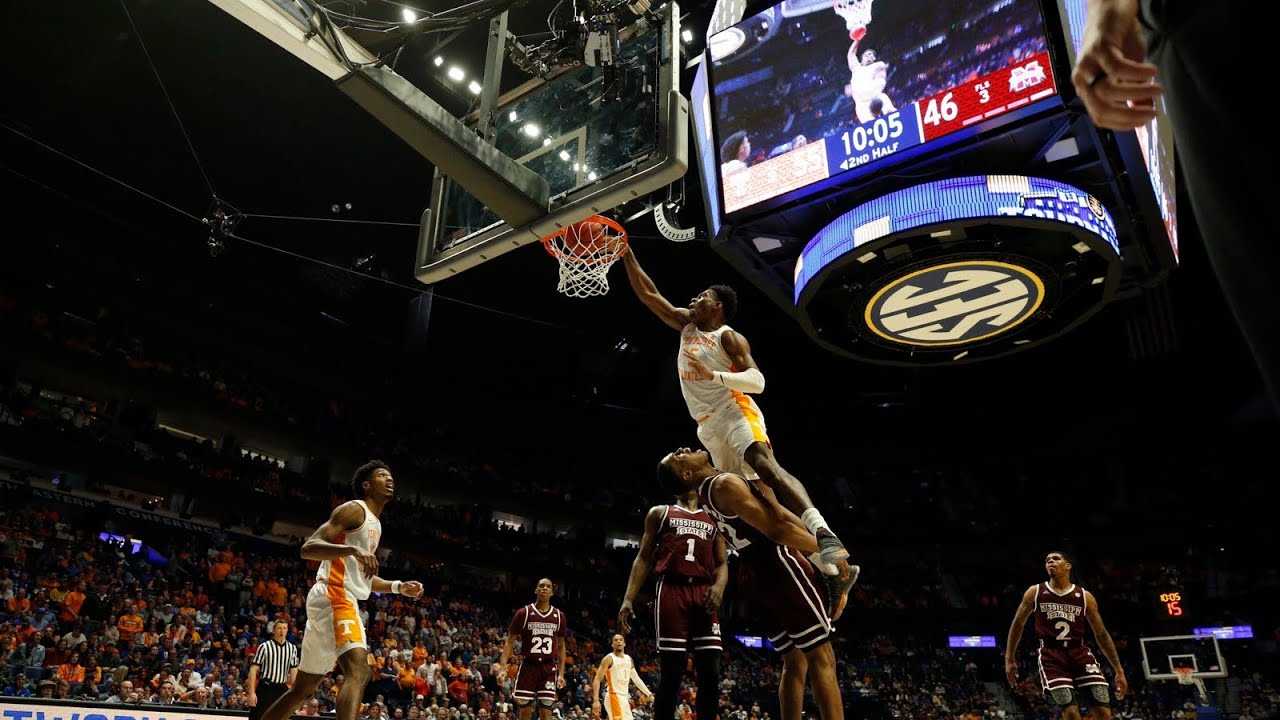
[{"x": 586, "y": 238}]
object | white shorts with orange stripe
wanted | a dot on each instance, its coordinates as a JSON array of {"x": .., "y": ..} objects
[
  {"x": 617, "y": 706},
  {"x": 729, "y": 431},
  {"x": 333, "y": 627}
]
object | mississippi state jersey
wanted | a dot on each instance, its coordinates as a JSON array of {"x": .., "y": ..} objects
[
  {"x": 346, "y": 572},
  {"x": 538, "y": 632},
  {"x": 685, "y": 545},
  {"x": 1060, "y": 615},
  {"x": 737, "y": 532}
]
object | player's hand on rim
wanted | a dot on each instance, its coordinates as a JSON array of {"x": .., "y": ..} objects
[
  {"x": 624, "y": 617},
  {"x": 367, "y": 560},
  {"x": 700, "y": 370}
]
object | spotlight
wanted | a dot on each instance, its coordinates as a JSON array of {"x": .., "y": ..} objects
[
  {"x": 409, "y": 15},
  {"x": 456, "y": 74}
]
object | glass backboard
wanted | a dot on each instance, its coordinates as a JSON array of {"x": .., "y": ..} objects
[{"x": 600, "y": 137}]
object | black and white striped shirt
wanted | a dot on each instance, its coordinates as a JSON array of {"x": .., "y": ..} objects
[{"x": 275, "y": 660}]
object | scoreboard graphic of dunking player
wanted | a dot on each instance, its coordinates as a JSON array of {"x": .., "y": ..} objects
[{"x": 807, "y": 90}]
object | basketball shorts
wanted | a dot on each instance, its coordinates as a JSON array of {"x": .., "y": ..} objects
[
  {"x": 617, "y": 706},
  {"x": 1069, "y": 667},
  {"x": 333, "y": 627},
  {"x": 729, "y": 431},
  {"x": 785, "y": 597},
  {"x": 535, "y": 681},
  {"x": 681, "y": 620}
]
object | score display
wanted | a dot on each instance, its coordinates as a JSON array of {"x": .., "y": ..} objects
[
  {"x": 798, "y": 100},
  {"x": 1172, "y": 603}
]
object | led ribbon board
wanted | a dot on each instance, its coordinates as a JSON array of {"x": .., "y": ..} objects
[{"x": 956, "y": 199}]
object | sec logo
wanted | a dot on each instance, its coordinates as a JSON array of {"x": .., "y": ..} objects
[{"x": 956, "y": 303}]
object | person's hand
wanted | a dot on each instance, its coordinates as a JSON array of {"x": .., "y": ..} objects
[
  {"x": 251, "y": 700},
  {"x": 645, "y": 699},
  {"x": 367, "y": 560},
  {"x": 500, "y": 673},
  {"x": 713, "y": 598},
  {"x": 1111, "y": 75},
  {"x": 595, "y": 709},
  {"x": 560, "y": 681},
  {"x": 1122, "y": 685},
  {"x": 698, "y": 369},
  {"x": 411, "y": 588},
  {"x": 624, "y": 617},
  {"x": 1011, "y": 672}
]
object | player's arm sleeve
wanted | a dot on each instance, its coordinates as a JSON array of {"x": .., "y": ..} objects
[
  {"x": 746, "y": 376},
  {"x": 635, "y": 678}
]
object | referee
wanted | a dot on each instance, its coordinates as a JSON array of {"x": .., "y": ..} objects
[{"x": 272, "y": 671}]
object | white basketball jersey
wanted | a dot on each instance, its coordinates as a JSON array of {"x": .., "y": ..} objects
[
  {"x": 704, "y": 397},
  {"x": 866, "y": 83},
  {"x": 346, "y": 572},
  {"x": 619, "y": 677}
]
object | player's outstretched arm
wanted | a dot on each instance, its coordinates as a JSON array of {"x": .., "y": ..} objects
[
  {"x": 640, "y": 566},
  {"x": 733, "y": 496},
  {"x": 644, "y": 288},
  {"x": 605, "y": 664},
  {"x": 1105, "y": 642},
  {"x": 1025, "y": 609},
  {"x": 408, "y": 588}
]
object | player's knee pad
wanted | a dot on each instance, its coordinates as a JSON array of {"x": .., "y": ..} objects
[
  {"x": 1100, "y": 695},
  {"x": 1063, "y": 696},
  {"x": 523, "y": 702},
  {"x": 546, "y": 702}
]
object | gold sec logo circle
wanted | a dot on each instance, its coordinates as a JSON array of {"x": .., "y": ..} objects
[{"x": 955, "y": 303}]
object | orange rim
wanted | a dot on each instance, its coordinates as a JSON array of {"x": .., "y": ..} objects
[{"x": 619, "y": 233}]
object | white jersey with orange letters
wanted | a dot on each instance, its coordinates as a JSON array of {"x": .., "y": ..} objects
[
  {"x": 618, "y": 687},
  {"x": 334, "y": 625},
  {"x": 729, "y": 421}
]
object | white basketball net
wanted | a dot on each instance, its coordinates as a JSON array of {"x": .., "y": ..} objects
[
  {"x": 585, "y": 252},
  {"x": 855, "y": 12},
  {"x": 1186, "y": 676}
]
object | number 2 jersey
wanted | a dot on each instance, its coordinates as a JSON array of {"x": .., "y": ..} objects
[
  {"x": 685, "y": 546},
  {"x": 538, "y": 632},
  {"x": 1060, "y": 620}
]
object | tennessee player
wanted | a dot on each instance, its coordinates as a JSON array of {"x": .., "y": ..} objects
[
  {"x": 346, "y": 547},
  {"x": 618, "y": 670}
]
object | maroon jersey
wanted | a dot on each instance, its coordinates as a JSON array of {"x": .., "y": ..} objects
[
  {"x": 737, "y": 532},
  {"x": 538, "y": 632},
  {"x": 685, "y": 545},
  {"x": 1060, "y": 620}
]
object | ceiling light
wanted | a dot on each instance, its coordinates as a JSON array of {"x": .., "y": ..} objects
[
  {"x": 591, "y": 175},
  {"x": 474, "y": 87},
  {"x": 456, "y": 74},
  {"x": 686, "y": 35},
  {"x": 409, "y": 15},
  {"x": 564, "y": 155},
  {"x": 546, "y": 141},
  {"x": 512, "y": 116},
  {"x": 531, "y": 130},
  {"x": 439, "y": 61}
]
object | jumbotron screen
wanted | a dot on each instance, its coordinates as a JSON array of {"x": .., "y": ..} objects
[{"x": 810, "y": 89}]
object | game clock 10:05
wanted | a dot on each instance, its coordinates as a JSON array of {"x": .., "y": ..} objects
[
  {"x": 1170, "y": 604},
  {"x": 867, "y": 142}
]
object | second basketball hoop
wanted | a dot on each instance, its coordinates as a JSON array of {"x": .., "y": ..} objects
[{"x": 585, "y": 251}]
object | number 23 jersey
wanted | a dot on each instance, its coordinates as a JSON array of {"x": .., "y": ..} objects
[{"x": 538, "y": 632}]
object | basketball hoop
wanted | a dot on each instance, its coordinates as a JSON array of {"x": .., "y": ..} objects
[
  {"x": 1187, "y": 676},
  {"x": 586, "y": 250}
]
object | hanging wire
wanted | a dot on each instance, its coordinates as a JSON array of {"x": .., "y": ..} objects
[
  {"x": 415, "y": 289},
  {"x": 303, "y": 218},
  {"x": 167, "y": 98}
]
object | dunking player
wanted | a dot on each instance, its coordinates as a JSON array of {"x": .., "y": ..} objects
[
  {"x": 619, "y": 672},
  {"x": 867, "y": 76},
  {"x": 717, "y": 375},
  {"x": 346, "y": 547},
  {"x": 772, "y": 573},
  {"x": 1067, "y": 665},
  {"x": 540, "y": 627},
  {"x": 688, "y": 555}
]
